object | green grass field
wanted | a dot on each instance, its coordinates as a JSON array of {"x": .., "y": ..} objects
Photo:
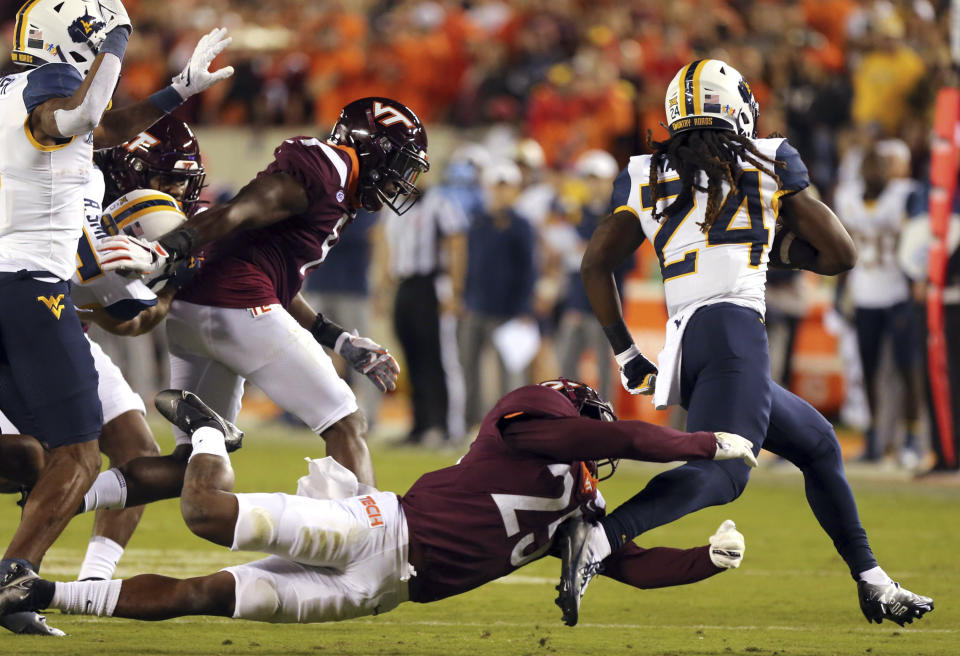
[{"x": 792, "y": 595}]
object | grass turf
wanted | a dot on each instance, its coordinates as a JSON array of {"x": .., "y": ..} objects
[{"x": 792, "y": 596}]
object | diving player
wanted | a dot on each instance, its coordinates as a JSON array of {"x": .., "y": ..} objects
[
  {"x": 51, "y": 118},
  {"x": 242, "y": 317},
  {"x": 708, "y": 198},
  {"x": 365, "y": 551}
]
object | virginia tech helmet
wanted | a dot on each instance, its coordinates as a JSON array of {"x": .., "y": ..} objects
[
  {"x": 588, "y": 404},
  {"x": 711, "y": 94},
  {"x": 167, "y": 150},
  {"x": 68, "y": 31},
  {"x": 391, "y": 147}
]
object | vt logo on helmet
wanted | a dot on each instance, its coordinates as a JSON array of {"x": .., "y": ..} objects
[
  {"x": 391, "y": 147},
  {"x": 711, "y": 94},
  {"x": 68, "y": 31}
]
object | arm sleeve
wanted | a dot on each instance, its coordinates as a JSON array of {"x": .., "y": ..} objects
[
  {"x": 86, "y": 116},
  {"x": 659, "y": 567},
  {"x": 583, "y": 438},
  {"x": 316, "y": 167},
  {"x": 793, "y": 174},
  {"x": 48, "y": 82}
]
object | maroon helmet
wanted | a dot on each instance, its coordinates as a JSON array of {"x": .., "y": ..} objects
[
  {"x": 391, "y": 147},
  {"x": 589, "y": 404},
  {"x": 167, "y": 150}
]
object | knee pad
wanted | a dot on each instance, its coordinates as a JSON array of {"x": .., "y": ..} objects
[
  {"x": 258, "y": 521},
  {"x": 256, "y": 597}
]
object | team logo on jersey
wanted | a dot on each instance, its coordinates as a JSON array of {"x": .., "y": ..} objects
[
  {"x": 83, "y": 28},
  {"x": 53, "y": 303}
]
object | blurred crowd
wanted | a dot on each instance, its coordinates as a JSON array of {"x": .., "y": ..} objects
[{"x": 546, "y": 100}]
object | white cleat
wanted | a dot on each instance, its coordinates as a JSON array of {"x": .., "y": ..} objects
[
  {"x": 731, "y": 446},
  {"x": 727, "y": 546},
  {"x": 29, "y": 623}
]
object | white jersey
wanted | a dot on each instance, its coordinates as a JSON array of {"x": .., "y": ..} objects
[
  {"x": 877, "y": 280},
  {"x": 120, "y": 296},
  {"x": 728, "y": 263},
  {"x": 41, "y": 187}
]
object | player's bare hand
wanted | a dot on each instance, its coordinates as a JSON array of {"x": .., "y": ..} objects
[
  {"x": 196, "y": 76},
  {"x": 370, "y": 359},
  {"x": 637, "y": 374},
  {"x": 124, "y": 254},
  {"x": 731, "y": 446}
]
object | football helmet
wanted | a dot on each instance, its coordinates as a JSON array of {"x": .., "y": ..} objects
[
  {"x": 68, "y": 31},
  {"x": 391, "y": 147},
  {"x": 711, "y": 94},
  {"x": 146, "y": 214},
  {"x": 589, "y": 404},
  {"x": 167, "y": 150}
]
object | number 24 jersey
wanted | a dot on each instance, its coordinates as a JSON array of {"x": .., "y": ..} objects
[{"x": 728, "y": 262}]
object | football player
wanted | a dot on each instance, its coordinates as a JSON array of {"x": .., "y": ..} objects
[
  {"x": 364, "y": 551},
  {"x": 708, "y": 198},
  {"x": 242, "y": 317},
  {"x": 52, "y": 117}
]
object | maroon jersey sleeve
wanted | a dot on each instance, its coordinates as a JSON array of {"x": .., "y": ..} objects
[
  {"x": 659, "y": 567},
  {"x": 583, "y": 438},
  {"x": 321, "y": 169}
]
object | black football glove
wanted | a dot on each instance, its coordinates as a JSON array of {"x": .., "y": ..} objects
[{"x": 637, "y": 374}]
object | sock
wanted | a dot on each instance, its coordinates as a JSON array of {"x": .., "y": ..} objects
[
  {"x": 208, "y": 439},
  {"x": 598, "y": 544},
  {"x": 109, "y": 490},
  {"x": 87, "y": 597},
  {"x": 101, "y": 560},
  {"x": 875, "y": 575}
]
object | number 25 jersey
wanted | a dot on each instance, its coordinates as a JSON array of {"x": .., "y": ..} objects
[{"x": 728, "y": 262}]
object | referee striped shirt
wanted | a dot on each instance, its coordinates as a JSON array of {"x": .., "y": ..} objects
[{"x": 415, "y": 238}]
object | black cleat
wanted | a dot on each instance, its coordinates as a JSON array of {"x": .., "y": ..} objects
[
  {"x": 19, "y": 590},
  {"x": 577, "y": 567},
  {"x": 187, "y": 412},
  {"x": 891, "y": 602}
]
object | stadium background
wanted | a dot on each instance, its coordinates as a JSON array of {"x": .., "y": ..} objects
[{"x": 832, "y": 75}]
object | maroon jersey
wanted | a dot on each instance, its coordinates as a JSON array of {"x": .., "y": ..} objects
[
  {"x": 267, "y": 265},
  {"x": 498, "y": 508}
]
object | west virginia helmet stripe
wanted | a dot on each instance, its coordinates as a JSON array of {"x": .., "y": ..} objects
[
  {"x": 697, "y": 96},
  {"x": 689, "y": 90},
  {"x": 680, "y": 92},
  {"x": 20, "y": 33},
  {"x": 132, "y": 211}
]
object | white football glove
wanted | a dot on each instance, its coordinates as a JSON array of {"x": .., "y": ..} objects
[
  {"x": 731, "y": 446},
  {"x": 727, "y": 546},
  {"x": 114, "y": 15},
  {"x": 637, "y": 374},
  {"x": 124, "y": 253},
  {"x": 370, "y": 359},
  {"x": 196, "y": 77}
]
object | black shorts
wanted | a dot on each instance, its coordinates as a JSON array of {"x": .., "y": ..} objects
[{"x": 48, "y": 382}]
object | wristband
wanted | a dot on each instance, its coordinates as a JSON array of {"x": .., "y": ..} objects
[
  {"x": 618, "y": 336},
  {"x": 179, "y": 242},
  {"x": 166, "y": 99},
  {"x": 115, "y": 42},
  {"x": 626, "y": 356},
  {"x": 326, "y": 332}
]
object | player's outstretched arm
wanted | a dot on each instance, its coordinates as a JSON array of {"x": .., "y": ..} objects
[
  {"x": 583, "y": 438},
  {"x": 120, "y": 125},
  {"x": 266, "y": 200},
  {"x": 816, "y": 223}
]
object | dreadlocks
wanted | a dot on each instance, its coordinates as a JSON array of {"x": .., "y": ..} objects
[{"x": 715, "y": 152}]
